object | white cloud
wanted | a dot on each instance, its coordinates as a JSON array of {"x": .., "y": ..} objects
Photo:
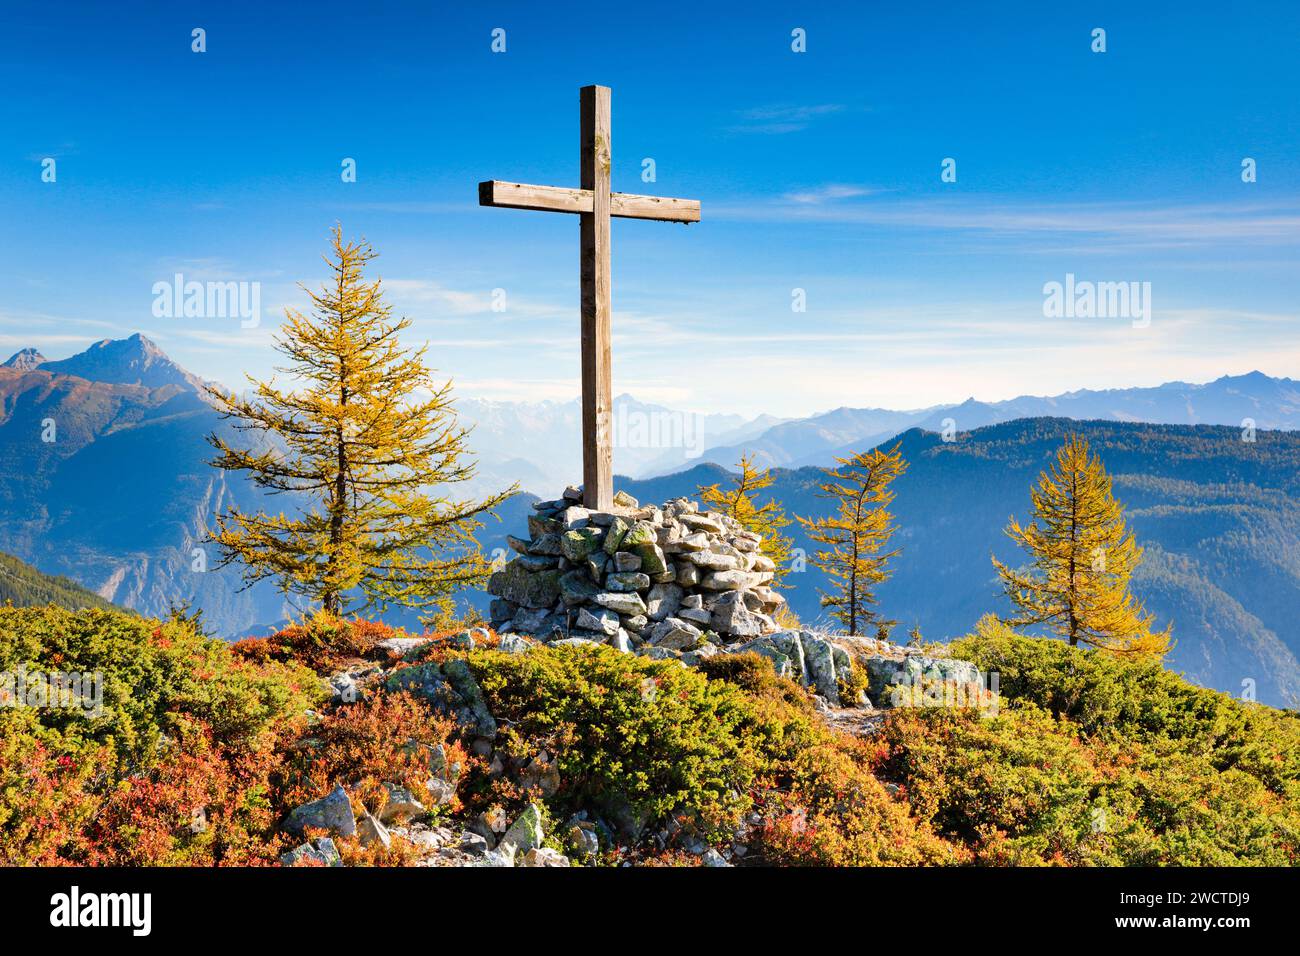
[{"x": 828, "y": 193}]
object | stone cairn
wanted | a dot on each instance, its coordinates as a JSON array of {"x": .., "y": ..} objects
[{"x": 665, "y": 582}]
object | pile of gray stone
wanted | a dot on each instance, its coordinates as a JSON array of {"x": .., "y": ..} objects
[{"x": 670, "y": 581}]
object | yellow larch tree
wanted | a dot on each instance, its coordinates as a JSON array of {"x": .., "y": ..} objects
[
  {"x": 1081, "y": 557},
  {"x": 366, "y": 443}
]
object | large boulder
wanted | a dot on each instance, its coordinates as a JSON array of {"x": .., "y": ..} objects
[
  {"x": 332, "y": 812},
  {"x": 517, "y": 584}
]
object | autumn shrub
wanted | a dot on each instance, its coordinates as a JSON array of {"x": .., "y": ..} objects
[
  {"x": 324, "y": 642},
  {"x": 821, "y": 804},
  {"x": 383, "y": 738},
  {"x": 633, "y": 738},
  {"x": 1019, "y": 779},
  {"x": 173, "y": 768}
]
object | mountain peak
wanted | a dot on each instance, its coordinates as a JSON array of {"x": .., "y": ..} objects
[
  {"x": 24, "y": 360},
  {"x": 135, "y": 360}
]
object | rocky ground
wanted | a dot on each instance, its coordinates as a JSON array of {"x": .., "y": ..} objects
[{"x": 824, "y": 663}]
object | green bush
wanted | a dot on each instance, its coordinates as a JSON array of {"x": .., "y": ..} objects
[
  {"x": 153, "y": 673},
  {"x": 636, "y": 739},
  {"x": 1093, "y": 760},
  {"x": 1118, "y": 700}
]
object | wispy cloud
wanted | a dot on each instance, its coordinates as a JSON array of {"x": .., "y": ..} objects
[
  {"x": 1135, "y": 225},
  {"x": 782, "y": 119},
  {"x": 828, "y": 193}
]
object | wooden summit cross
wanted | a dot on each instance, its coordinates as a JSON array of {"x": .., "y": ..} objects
[{"x": 594, "y": 204}]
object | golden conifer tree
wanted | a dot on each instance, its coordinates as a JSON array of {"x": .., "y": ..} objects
[
  {"x": 855, "y": 559},
  {"x": 366, "y": 442},
  {"x": 1081, "y": 557},
  {"x": 767, "y": 519}
]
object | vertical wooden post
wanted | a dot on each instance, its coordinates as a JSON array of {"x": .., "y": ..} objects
[{"x": 597, "y": 399}]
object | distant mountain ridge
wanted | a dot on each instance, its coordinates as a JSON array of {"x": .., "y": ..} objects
[
  {"x": 1232, "y": 400},
  {"x": 528, "y": 442},
  {"x": 104, "y": 479},
  {"x": 131, "y": 361}
]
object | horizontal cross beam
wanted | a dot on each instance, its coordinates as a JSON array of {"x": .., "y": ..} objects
[{"x": 558, "y": 199}]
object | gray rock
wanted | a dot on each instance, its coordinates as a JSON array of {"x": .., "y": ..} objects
[
  {"x": 479, "y": 719},
  {"x": 703, "y": 522},
  {"x": 370, "y": 830},
  {"x": 473, "y": 843},
  {"x": 627, "y": 581},
  {"x": 537, "y": 621},
  {"x": 332, "y": 812},
  {"x": 785, "y": 651},
  {"x": 696, "y": 615},
  {"x": 627, "y": 561},
  {"x": 344, "y": 689},
  {"x": 526, "y": 832},
  {"x": 548, "y": 544},
  {"x": 618, "y": 529},
  {"x": 500, "y": 610},
  {"x": 734, "y": 618},
  {"x": 688, "y": 575},
  {"x": 584, "y": 840},
  {"x": 691, "y": 543},
  {"x": 580, "y": 641},
  {"x": 620, "y": 641},
  {"x": 573, "y": 517},
  {"x": 663, "y": 601},
  {"x": 674, "y": 634},
  {"x": 512, "y": 644},
  {"x": 820, "y": 656},
  {"x": 577, "y": 588},
  {"x": 543, "y": 856},
  {"x": 624, "y": 602},
  {"x": 577, "y": 544},
  {"x": 725, "y": 580},
  {"x": 603, "y": 620},
  {"x": 400, "y": 645},
  {"x": 714, "y": 561},
  {"x": 400, "y": 806},
  {"x": 530, "y": 588},
  {"x": 440, "y": 790},
  {"x": 320, "y": 852},
  {"x": 540, "y": 527},
  {"x": 623, "y": 500},
  {"x": 884, "y": 672}
]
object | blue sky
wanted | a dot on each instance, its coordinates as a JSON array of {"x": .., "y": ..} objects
[{"x": 817, "y": 171}]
